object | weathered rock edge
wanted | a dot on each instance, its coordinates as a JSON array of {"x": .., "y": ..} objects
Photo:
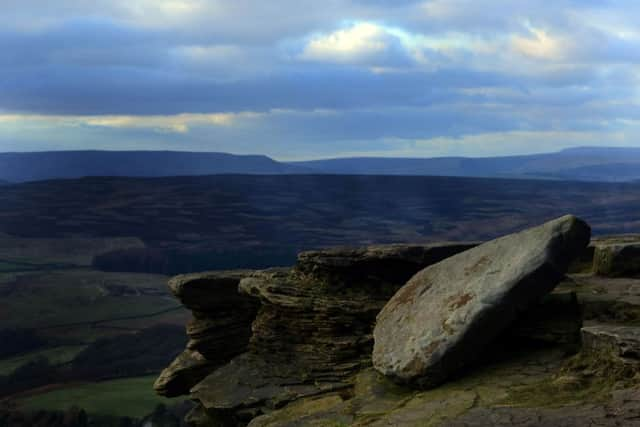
[
  {"x": 314, "y": 327},
  {"x": 219, "y": 330},
  {"x": 447, "y": 314}
]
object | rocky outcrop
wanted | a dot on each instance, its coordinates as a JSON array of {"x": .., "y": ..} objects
[
  {"x": 323, "y": 331},
  {"x": 314, "y": 327},
  {"x": 219, "y": 330},
  {"x": 517, "y": 383},
  {"x": 308, "y": 359},
  {"x": 375, "y": 264},
  {"x": 447, "y": 314},
  {"x": 617, "y": 259}
]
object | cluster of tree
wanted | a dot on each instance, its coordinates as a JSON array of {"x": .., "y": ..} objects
[{"x": 180, "y": 261}]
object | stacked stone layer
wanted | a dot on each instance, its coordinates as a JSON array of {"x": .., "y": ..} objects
[
  {"x": 307, "y": 355},
  {"x": 219, "y": 330},
  {"x": 314, "y": 327}
]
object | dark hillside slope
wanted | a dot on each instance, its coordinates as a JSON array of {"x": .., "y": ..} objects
[{"x": 230, "y": 212}]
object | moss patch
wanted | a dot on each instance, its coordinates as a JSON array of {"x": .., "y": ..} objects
[{"x": 584, "y": 378}]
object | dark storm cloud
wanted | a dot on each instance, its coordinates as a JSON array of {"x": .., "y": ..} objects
[{"x": 124, "y": 90}]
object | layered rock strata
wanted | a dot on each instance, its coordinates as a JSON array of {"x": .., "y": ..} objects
[
  {"x": 519, "y": 383},
  {"x": 314, "y": 327},
  {"x": 219, "y": 330},
  {"x": 301, "y": 368}
]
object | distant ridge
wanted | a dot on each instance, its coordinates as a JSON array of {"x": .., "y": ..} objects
[
  {"x": 21, "y": 167},
  {"x": 580, "y": 163}
]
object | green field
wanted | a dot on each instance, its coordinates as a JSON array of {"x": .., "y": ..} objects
[
  {"x": 129, "y": 397},
  {"x": 80, "y": 303},
  {"x": 55, "y": 356},
  {"x": 70, "y": 308}
]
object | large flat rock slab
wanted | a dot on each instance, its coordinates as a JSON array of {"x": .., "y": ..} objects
[
  {"x": 623, "y": 409},
  {"x": 448, "y": 313}
]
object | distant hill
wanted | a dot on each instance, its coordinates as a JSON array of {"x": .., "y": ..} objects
[
  {"x": 3, "y": 182},
  {"x": 21, "y": 167},
  {"x": 199, "y": 223},
  {"x": 581, "y": 164},
  {"x": 584, "y": 164}
]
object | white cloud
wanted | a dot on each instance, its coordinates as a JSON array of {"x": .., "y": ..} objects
[
  {"x": 540, "y": 44},
  {"x": 361, "y": 42}
]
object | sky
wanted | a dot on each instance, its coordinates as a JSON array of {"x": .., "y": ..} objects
[{"x": 302, "y": 79}]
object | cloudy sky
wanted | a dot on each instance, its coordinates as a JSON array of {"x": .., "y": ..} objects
[{"x": 301, "y": 79}]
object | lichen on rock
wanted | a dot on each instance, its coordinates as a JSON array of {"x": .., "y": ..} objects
[{"x": 446, "y": 315}]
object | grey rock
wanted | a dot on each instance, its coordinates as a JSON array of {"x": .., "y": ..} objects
[
  {"x": 617, "y": 259},
  {"x": 584, "y": 262},
  {"x": 618, "y": 341},
  {"x": 448, "y": 313}
]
